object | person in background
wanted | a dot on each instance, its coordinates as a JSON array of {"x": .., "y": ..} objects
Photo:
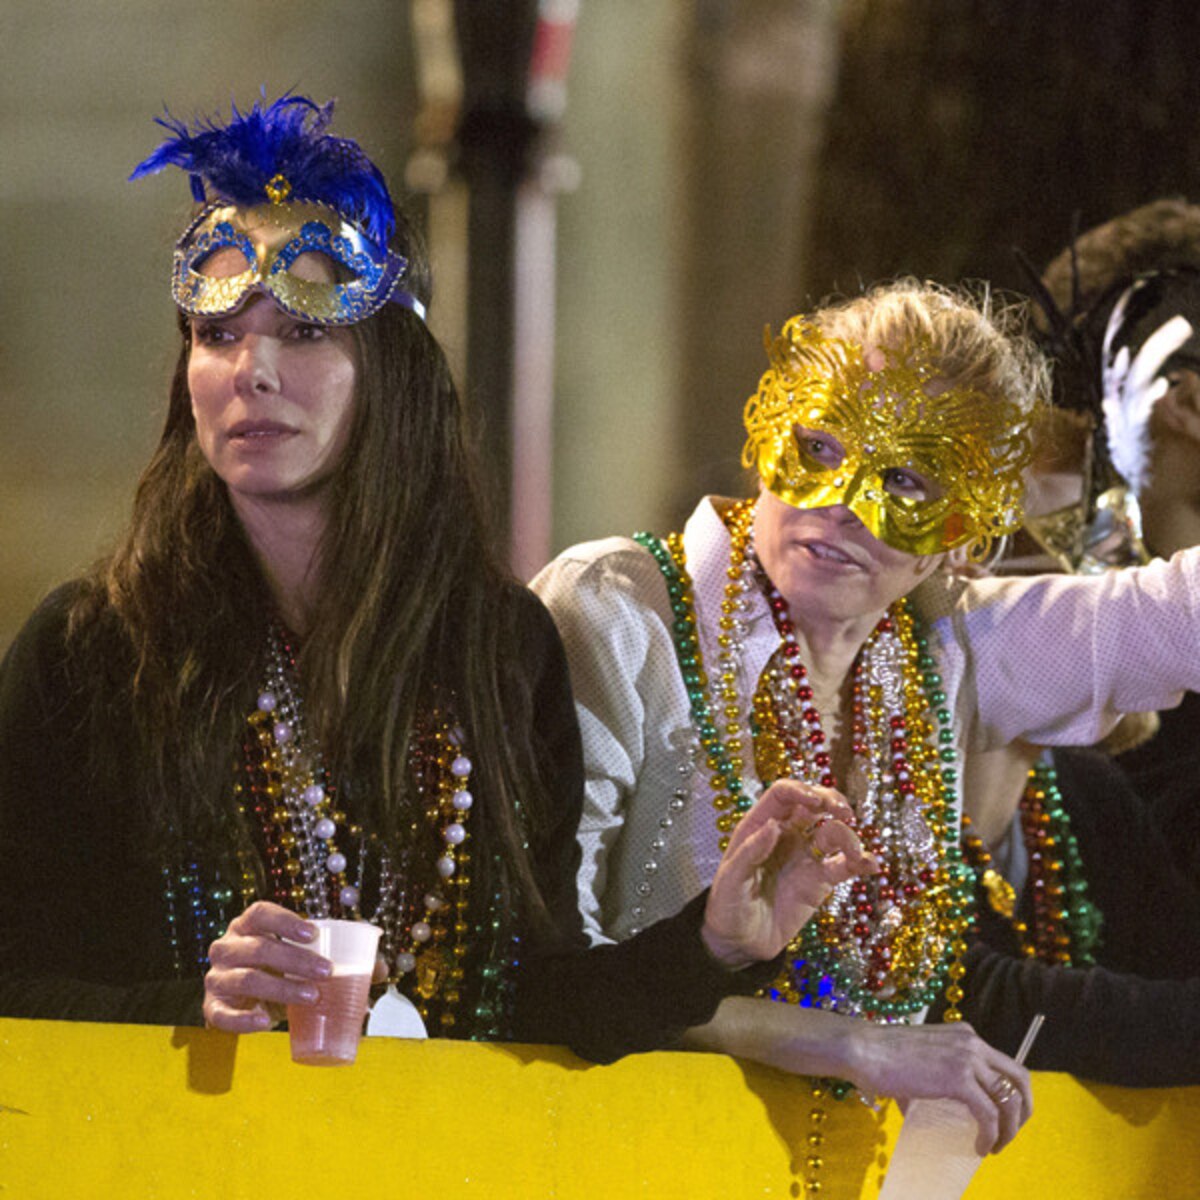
[
  {"x": 1125, "y": 285},
  {"x": 1091, "y": 893}
]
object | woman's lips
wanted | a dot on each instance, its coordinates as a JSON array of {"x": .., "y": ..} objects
[
  {"x": 826, "y": 552},
  {"x": 253, "y": 431}
]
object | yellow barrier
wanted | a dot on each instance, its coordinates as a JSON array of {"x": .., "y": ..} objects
[{"x": 109, "y": 1111}]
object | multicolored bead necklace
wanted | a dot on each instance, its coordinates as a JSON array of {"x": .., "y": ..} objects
[
  {"x": 421, "y": 888},
  {"x": 881, "y": 947},
  {"x": 289, "y": 794},
  {"x": 198, "y": 912},
  {"x": 1066, "y": 925},
  {"x": 884, "y": 946}
]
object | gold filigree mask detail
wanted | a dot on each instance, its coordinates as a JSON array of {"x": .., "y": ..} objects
[{"x": 973, "y": 447}]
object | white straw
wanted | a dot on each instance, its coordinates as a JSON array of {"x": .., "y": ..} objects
[{"x": 1030, "y": 1034}]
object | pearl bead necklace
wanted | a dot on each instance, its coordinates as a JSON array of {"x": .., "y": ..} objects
[{"x": 302, "y": 829}]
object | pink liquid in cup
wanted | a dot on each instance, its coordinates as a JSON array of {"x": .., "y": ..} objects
[{"x": 325, "y": 1034}]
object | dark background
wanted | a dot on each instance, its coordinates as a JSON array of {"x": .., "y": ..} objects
[{"x": 720, "y": 165}]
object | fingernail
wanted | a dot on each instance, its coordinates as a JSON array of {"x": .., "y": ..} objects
[
  {"x": 308, "y": 995},
  {"x": 324, "y": 969},
  {"x": 305, "y": 933}
]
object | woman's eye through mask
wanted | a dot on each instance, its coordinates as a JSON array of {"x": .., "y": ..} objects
[{"x": 825, "y": 452}]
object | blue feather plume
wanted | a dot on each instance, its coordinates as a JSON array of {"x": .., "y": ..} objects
[{"x": 234, "y": 163}]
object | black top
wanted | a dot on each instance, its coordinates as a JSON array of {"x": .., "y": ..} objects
[
  {"x": 1134, "y": 1018},
  {"x": 83, "y": 917},
  {"x": 1166, "y": 773},
  {"x": 1151, "y": 908}
]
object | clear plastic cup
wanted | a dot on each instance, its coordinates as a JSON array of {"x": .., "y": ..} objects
[
  {"x": 326, "y": 1033},
  {"x": 934, "y": 1156}
]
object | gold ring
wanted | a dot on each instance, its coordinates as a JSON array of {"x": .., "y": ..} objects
[
  {"x": 1003, "y": 1090},
  {"x": 810, "y": 835}
]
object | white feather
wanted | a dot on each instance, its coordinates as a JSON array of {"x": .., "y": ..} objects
[{"x": 1131, "y": 388}]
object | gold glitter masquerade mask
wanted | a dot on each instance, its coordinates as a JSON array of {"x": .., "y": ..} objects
[
  {"x": 970, "y": 446},
  {"x": 275, "y": 244}
]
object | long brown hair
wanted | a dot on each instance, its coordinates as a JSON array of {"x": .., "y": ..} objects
[{"x": 417, "y": 609}]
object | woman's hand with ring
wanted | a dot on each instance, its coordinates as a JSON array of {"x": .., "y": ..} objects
[{"x": 910, "y": 1062}]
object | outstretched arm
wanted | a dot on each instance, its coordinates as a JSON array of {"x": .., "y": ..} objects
[
  {"x": 902, "y": 1061},
  {"x": 1103, "y": 1025},
  {"x": 1077, "y": 630}
]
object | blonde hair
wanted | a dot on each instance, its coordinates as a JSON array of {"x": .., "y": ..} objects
[{"x": 981, "y": 342}]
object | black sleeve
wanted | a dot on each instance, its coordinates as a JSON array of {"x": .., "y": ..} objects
[
  {"x": 604, "y": 1001},
  {"x": 1165, "y": 772},
  {"x": 52, "y": 998},
  {"x": 82, "y": 933},
  {"x": 1100, "y": 1024},
  {"x": 1130, "y": 863}
]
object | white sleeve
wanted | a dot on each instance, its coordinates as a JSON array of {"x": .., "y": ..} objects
[
  {"x": 613, "y": 615},
  {"x": 1057, "y": 659}
]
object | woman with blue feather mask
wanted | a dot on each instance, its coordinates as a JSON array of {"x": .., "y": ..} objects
[{"x": 303, "y": 685}]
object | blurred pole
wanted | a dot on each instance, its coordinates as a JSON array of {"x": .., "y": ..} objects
[
  {"x": 495, "y": 138},
  {"x": 531, "y": 519},
  {"x": 428, "y": 172},
  {"x": 492, "y": 76},
  {"x": 761, "y": 81}
]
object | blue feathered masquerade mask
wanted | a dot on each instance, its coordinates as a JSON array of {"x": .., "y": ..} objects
[{"x": 291, "y": 211}]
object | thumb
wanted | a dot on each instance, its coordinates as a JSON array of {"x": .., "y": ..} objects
[{"x": 741, "y": 860}]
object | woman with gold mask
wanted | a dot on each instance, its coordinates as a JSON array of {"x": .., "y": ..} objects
[{"x": 811, "y": 634}]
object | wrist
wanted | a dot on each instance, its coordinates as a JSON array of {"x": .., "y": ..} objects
[
  {"x": 855, "y": 1053},
  {"x": 725, "y": 952}
]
